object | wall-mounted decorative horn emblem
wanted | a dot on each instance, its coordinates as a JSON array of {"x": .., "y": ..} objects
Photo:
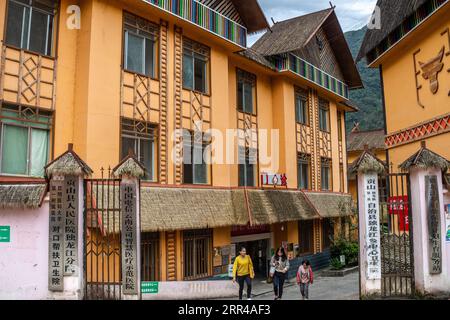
[{"x": 431, "y": 69}]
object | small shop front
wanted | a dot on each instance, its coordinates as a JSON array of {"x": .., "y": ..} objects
[{"x": 258, "y": 242}]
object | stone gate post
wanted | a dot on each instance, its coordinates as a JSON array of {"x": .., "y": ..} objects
[
  {"x": 66, "y": 224},
  {"x": 130, "y": 171},
  {"x": 367, "y": 168},
  {"x": 431, "y": 269}
]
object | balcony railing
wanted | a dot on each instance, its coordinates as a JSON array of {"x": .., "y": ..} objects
[
  {"x": 290, "y": 62},
  {"x": 204, "y": 17}
]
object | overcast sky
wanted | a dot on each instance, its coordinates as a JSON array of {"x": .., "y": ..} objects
[{"x": 353, "y": 14}]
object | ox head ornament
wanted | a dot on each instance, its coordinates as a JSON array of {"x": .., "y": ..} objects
[{"x": 431, "y": 69}]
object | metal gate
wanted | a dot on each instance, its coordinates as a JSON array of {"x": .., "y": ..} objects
[
  {"x": 102, "y": 243},
  {"x": 397, "y": 262}
]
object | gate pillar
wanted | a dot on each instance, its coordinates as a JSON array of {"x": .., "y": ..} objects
[
  {"x": 66, "y": 226},
  {"x": 130, "y": 171},
  {"x": 367, "y": 168},
  {"x": 431, "y": 251}
]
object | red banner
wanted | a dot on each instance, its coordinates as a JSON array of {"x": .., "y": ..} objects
[{"x": 399, "y": 206}]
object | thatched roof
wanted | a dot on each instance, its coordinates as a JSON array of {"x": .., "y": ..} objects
[
  {"x": 359, "y": 139},
  {"x": 425, "y": 159},
  {"x": 22, "y": 196},
  {"x": 290, "y": 35},
  {"x": 276, "y": 206},
  {"x": 393, "y": 13},
  {"x": 168, "y": 209},
  {"x": 67, "y": 164},
  {"x": 295, "y": 34},
  {"x": 366, "y": 163},
  {"x": 129, "y": 166},
  {"x": 257, "y": 57},
  {"x": 331, "y": 205}
]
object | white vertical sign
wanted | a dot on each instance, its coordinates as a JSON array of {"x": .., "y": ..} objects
[{"x": 372, "y": 213}]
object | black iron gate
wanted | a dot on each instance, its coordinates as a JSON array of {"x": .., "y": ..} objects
[
  {"x": 102, "y": 239},
  {"x": 397, "y": 262}
]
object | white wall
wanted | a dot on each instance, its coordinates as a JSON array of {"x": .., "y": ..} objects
[{"x": 24, "y": 260}]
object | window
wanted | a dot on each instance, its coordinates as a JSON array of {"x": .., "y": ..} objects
[
  {"x": 24, "y": 140},
  {"x": 247, "y": 167},
  {"x": 325, "y": 170},
  {"x": 306, "y": 237},
  {"x": 301, "y": 107},
  {"x": 304, "y": 171},
  {"x": 246, "y": 91},
  {"x": 327, "y": 233},
  {"x": 195, "y": 158},
  {"x": 150, "y": 256},
  {"x": 341, "y": 178},
  {"x": 195, "y": 66},
  {"x": 196, "y": 254},
  {"x": 140, "y": 49},
  {"x": 29, "y": 25},
  {"x": 324, "y": 115},
  {"x": 140, "y": 137}
]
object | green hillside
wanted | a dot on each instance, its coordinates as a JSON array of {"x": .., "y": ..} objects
[{"x": 368, "y": 99}]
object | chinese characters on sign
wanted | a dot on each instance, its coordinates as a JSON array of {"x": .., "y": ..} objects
[
  {"x": 372, "y": 226},
  {"x": 434, "y": 224},
  {"x": 129, "y": 241},
  {"x": 70, "y": 206},
  {"x": 56, "y": 236}
]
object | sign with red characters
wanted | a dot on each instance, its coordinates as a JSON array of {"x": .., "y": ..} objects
[{"x": 399, "y": 206}]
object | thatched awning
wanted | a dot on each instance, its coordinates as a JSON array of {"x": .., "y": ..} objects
[
  {"x": 425, "y": 159},
  {"x": 169, "y": 209},
  {"x": 330, "y": 205},
  {"x": 367, "y": 163},
  {"x": 67, "y": 164},
  {"x": 129, "y": 166},
  {"x": 22, "y": 196},
  {"x": 277, "y": 206}
]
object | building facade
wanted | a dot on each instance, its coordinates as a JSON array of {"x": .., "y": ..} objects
[{"x": 114, "y": 76}]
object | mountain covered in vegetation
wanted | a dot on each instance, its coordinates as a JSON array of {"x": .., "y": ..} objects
[{"x": 369, "y": 99}]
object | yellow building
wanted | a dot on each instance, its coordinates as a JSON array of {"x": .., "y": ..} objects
[
  {"x": 109, "y": 76},
  {"x": 357, "y": 141},
  {"x": 413, "y": 54}
]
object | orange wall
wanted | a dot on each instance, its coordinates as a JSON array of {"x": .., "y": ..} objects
[{"x": 402, "y": 108}]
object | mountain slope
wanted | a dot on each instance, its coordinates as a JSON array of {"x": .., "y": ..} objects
[{"x": 368, "y": 99}]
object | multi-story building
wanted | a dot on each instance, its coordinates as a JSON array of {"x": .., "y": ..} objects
[
  {"x": 109, "y": 76},
  {"x": 412, "y": 51}
]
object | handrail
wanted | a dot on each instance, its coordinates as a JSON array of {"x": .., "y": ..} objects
[{"x": 208, "y": 19}]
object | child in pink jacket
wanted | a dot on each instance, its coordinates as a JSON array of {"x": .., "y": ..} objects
[{"x": 305, "y": 277}]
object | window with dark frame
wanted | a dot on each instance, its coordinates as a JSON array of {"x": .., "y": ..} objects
[
  {"x": 304, "y": 171},
  {"x": 247, "y": 167},
  {"x": 30, "y": 25},
  {"x": 306, "y": 237},
  {"x": 325, "y": 170},
  {"x": 341, "y": 178},
  {"x": 324, "y": 115},
  {"x": 150, "y": 262},
  {"x": 196, "y": 170},
  {"x": 140, "y": 45},
  {"x": 24, "y": 140},
  {"x": 141, "y": 138},
  {"x": 301, "y": 107},
  {"x": 339, "y": 116},
  {"x": 246, "y": 91},
  {"x": 195, "y": 66},
  {"x": 197, "y": 247}
]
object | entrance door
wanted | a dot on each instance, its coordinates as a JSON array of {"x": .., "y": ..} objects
[
  {"x": 258, "y": 251},
  {"x": 397, "y": 263}
]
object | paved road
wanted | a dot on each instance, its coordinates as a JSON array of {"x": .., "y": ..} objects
[{"x": 345, "y": 288}]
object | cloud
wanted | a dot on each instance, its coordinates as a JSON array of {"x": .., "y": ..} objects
[{"x": 352, "y": 14}]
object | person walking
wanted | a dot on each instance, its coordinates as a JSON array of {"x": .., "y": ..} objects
[
  {"x": 280, "y": 267},
  {"x": 305, "y": 277},
  {"x": 243, "y": 272}
]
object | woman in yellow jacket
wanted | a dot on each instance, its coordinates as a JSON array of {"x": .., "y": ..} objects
[{"x": 243, "y": 272}]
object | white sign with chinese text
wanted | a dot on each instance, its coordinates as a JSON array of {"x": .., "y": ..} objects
[{"x": 372, "y": 214}]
